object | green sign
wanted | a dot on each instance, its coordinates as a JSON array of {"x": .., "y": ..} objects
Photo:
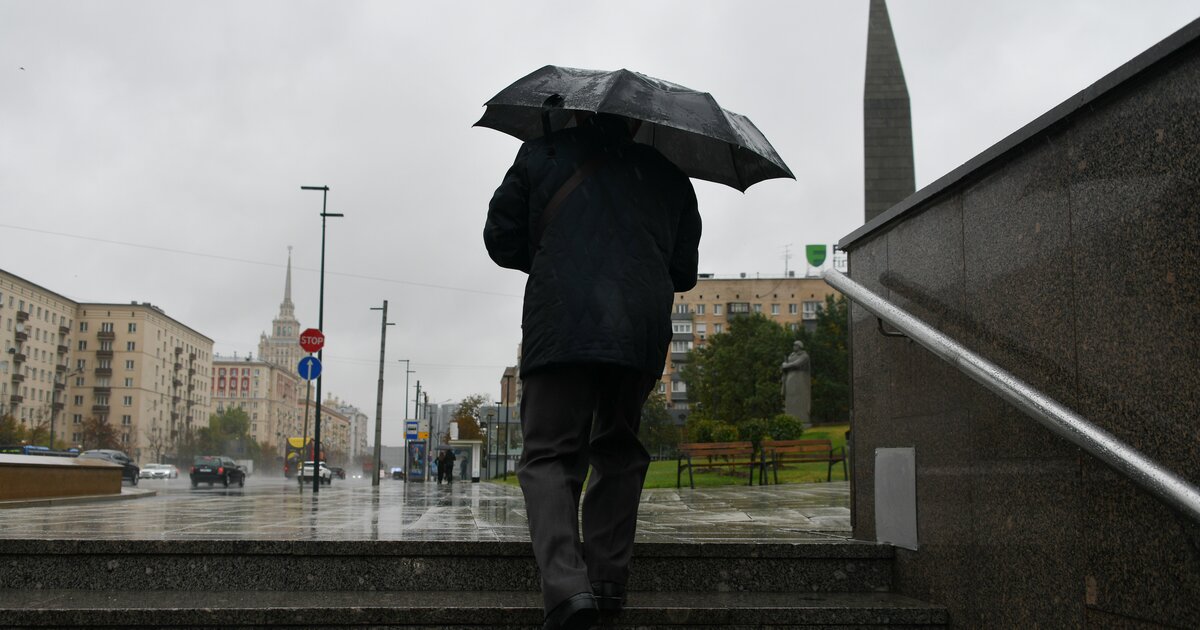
[{"x": 816, "y": 254}]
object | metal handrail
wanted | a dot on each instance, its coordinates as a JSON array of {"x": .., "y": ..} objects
[{"x": 1166, "y": 485}]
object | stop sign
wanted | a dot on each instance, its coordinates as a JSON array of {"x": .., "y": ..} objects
[{"x": 312, "y": 340}]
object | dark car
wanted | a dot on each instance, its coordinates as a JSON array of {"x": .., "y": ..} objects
[
  {"x": 212, "y": 469},
  {"x": 339, "y": 472},
  {"x": 129, "y": 469}
]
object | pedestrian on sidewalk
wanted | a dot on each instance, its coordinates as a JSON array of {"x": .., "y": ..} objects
[{"x": 607, "y": 230}]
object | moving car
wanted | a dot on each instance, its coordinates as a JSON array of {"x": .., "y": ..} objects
[
  {"x": 129, "y": 469},
  {"x": 324, "y": 473},
  {"x": 339, "y": 472},
  {"x": 212, "y": 469},
  {"x": 159, "y": 471}
]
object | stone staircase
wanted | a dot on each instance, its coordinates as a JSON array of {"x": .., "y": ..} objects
[{"x": 430, "y": 584}]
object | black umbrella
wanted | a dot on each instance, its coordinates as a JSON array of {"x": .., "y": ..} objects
[{"x": 688, "y": 127}]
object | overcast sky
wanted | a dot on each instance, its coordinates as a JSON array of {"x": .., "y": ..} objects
[{"x": 154, "y": 151}]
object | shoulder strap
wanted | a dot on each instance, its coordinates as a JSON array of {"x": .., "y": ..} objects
[{"x": 565, "y": 191}]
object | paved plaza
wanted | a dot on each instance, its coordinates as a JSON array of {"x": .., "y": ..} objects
[{"x": 271, "y": 508}]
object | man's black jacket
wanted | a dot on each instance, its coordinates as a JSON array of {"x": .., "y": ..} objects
[{"x": 601, "y": 280}]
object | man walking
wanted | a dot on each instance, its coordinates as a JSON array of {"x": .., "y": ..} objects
[{"x": 607, "y": 230}]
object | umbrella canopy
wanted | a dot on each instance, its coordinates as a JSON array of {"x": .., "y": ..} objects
[{"x": 688, "y": 127}]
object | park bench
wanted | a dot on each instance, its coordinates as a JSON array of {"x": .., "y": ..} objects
[
  {"x": 776, "y": 453},
  {"x": 707, "y": 455}
]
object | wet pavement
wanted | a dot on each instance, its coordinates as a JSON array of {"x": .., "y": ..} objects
[{"x": 272, "y": 508}]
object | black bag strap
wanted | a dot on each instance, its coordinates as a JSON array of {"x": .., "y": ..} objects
[{"x": 563, "y": 192}]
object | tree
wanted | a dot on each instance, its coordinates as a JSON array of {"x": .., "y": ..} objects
[
  {"x": 98, "y": 433},
  {"x": 658, "y": 431},
  {"x": 828, "y": 353},
  {"x": 11, "y": 431},
  {"x": 467, "y": 416},
  {"x": 736, "y": 376}
]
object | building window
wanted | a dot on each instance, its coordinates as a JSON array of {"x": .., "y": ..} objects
[
  {"x": 793, "y": 309},
  {"x": 132, "y": 327},
  {"x": 681, "y": 308},
  {"x": 699, "y": 309},
  {"x": 75, "y": 437},
  {"x": 739, "y": 308},
  {"x": 129, "y": 364},
  {"x": 127, "y": 401},
  {"x": 78, "y": 400},
  {"x": 678, "y": 387},
  {"x": 78, "y": 381},
  {"x": 681, "y": 328},
  {"x": 83, "y": 326},
  {"x": 758, "y": 308},
  {"x": 662, "y": 387},
  {"x": 681, "y": 346},
  {"x": 127, "y": 419},
  {"x": 81, "y": 364},
  {"x": 130, "y": 346},
  {"x": 77, "y": 419},
  {"x": 774, "y": 309},
  {"x": 810, "y": 309},
  {"x": 718, "y": 329},
  {"x": 128, "y": 382},
  {"x": 82, "y": 345},
  {"x": 106, "y": 327}
]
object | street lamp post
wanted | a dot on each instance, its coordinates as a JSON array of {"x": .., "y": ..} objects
[
  {"x": 55, "y": 403},
  {"x": 507, "y": 398},
  {"x": 379, "y": 398},
  {"x": 406, "y": 373},
  {"x": 320, "y": 326}
]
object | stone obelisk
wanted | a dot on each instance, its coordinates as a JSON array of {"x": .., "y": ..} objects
[{"x": 887, "y": 119}]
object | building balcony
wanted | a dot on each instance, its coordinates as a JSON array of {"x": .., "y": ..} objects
[
  {"x": 683, "y": 337},
  {"x": 59, "y": 386},
  {"x": 104, "y": 354},
  {"x": 176, "y": 382},
  {"x": 190, "y": 403},
  {"x": 22, "y": 316},
  {"x": 192, "y": 357},
  {"x": 57, "y": 406},
  {"x": 178, "y": 366},
  {"x": 679, "y": 396},
  {"x": 100, "y": 409},
  {"x": 175, "y": 400},
  {"x": 62, "y": 349},
  {"x": 188, "y": 419},
  {"x": 679, "y": 357},
  {"x": 16, "y": 399},
  {"x": 191, "y": 387},
  {"x": 681, "y": 316},
  {"x": 101, "y": 371},
  {"x": 21, "y": 336},
  {"x": 178, "y": 351},
  {"x": 60, "y": 368},
  {"x": 106, "y": 335},
  {"x": 18, "y": 357},
  {"x": 64, "y": 329},
  {"x": 102, "y": 389},
  {"x": 191, "y": 371},
  {"x": 174, "y": 415},
  {"x": 18, "y": 377}
]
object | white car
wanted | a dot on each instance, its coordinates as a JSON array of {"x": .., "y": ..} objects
[
  {"x": 159, "y": 471},
  {"x": 324, "y": 473}
]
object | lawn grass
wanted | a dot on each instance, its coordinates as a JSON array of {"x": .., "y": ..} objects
[{"x": 662, "y": 473}]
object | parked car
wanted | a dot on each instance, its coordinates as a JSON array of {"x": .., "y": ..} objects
[
  {"x": 339, "y": 472},
  {"x": 324, "y": 473},
  {"x": 212, "y": 469},
  {"x": 129, "y": 469},
  {"x": 159, "y": 471},
  {"x": 397, "y": 473}
]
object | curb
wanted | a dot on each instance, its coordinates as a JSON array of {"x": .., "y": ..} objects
[{"x": 127, "y": 494}]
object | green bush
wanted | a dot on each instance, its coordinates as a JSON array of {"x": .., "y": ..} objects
[
  {"x": 724, "y": 432},
  {"x": 754, "y": 430},
  {"x": 699, "y": 430},
  {"x": 785, "y": 427}
]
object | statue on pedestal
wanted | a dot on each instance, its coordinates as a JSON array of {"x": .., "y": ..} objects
[{"x": 797, "y": 385}]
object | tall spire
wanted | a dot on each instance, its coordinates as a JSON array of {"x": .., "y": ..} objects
[
  {"x": 287, "y": 287},
  {"x": 887, "y": 119}
]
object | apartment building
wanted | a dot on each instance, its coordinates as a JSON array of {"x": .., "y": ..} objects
[
  {"x": 359, "y": 426},
  {"x": 143, "y": 372},
  {"x": 36, "y": 337},
  {"x": 708, "y": 308},
  {"x": 267, "y": 392}
]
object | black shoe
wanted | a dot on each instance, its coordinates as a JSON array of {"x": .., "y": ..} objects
[
  {"x": 610, "y": 596},
  {"x": 577, "y": 612}
]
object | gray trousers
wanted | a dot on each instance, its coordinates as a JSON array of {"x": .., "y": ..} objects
[{"x": 572, "y": 417}]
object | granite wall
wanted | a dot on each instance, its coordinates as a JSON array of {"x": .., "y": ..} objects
[{"x": 1068, "y": 254}]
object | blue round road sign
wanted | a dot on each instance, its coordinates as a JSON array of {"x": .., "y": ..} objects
[{"x": 309, "y": 368}]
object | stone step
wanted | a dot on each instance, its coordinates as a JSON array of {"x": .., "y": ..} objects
[
  {"x": 256, "y": 565},
  {"x": 452, "y": 609}
]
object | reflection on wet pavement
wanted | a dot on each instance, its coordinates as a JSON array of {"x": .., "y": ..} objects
[{"x": 276, "y": 509}]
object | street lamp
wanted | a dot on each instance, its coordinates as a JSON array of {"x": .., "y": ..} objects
[
  {"x": 406, "y": 373},
  {"x": 507, "y": 398},
  {"x": 320, "y": 326}
]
